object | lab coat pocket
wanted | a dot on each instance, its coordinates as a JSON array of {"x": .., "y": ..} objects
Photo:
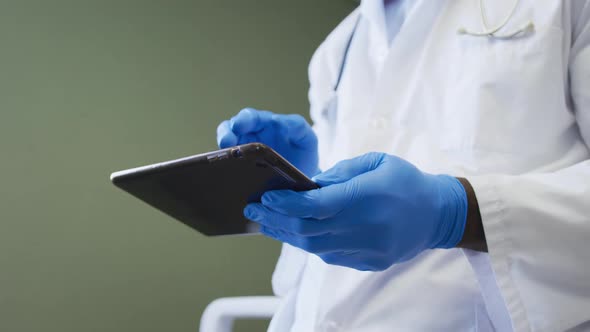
[{"x": 506, "y": 93}]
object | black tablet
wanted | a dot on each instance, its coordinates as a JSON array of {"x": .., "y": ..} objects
[{"x": 209, "y": 191}]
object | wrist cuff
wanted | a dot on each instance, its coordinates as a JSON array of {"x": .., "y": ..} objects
[{"x": 453, "y": 212}]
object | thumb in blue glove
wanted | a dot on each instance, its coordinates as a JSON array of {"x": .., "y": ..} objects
[{"x": 371, "y": 212}]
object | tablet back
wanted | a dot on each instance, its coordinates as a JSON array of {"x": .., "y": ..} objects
[{"x": 208, "y": 192}]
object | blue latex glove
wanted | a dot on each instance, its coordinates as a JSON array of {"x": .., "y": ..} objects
[
  {"x": 290, "y": 135},
  {"x": 371, "y": 212}
]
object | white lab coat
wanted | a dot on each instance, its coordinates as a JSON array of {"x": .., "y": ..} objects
[{"x": 512, "y": 116}]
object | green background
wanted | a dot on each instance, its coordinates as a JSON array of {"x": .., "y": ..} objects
[{"x": 90, "y": 87}]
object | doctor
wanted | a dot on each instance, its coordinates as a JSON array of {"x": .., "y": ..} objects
[{"x": 454, "y": 138}]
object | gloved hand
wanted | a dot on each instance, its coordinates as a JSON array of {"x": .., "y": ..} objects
[
  {"x": 370, "y": 213},
  {"x": 290, "y": 135}
]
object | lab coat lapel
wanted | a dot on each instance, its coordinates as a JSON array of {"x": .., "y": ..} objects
[
  {"x": 373, "y": 12},
  {"x": 404, "y": 55},
  {"x": 391, "y": 100}
]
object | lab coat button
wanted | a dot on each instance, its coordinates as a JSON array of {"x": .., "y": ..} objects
[{"x": 379, "y": 122}]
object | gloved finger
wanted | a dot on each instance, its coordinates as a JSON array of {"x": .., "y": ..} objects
[
  {"x": 269, "y": 218},
  {"x": 350, "y": 168},
  {"x": 270, "y": 135},
  {"x": 319, "y": 203},
  {"x": 288, "y": 202},
  {"x": 333, "y": 258},
  {"x": 352, "y": 242},
  {"x": 225, "y": 137},
  {"x": 272, "y": 233},
  {"x": 297, "y": 129},
  {"x": 250, "y": 121},
  {"x": 321, "y": 244},
  {"x": 249, "y": 138}
]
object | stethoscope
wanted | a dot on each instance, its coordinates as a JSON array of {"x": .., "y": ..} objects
[
  {"x": 492, "y": 33},
  {"x": 330, "y": 107},
  {"x": 529, "y": 27}
]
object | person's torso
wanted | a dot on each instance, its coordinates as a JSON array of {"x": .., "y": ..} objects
[{"x": 449, "y": 103}]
